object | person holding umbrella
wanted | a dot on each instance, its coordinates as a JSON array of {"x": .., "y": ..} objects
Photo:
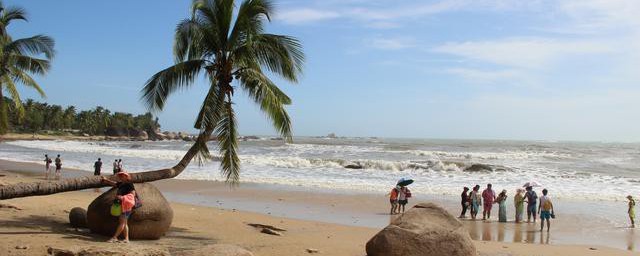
[
  {"x": 532, "y": 198},
  {"x": 403, "y": 193}
]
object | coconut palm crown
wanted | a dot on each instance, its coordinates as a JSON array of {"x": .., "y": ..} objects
[
  {"x": 19, "y": 59},
  {"x": 231, "y": 52}
]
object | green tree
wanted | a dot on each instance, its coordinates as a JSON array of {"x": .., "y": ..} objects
[
  {"x": 225, "y": 49},
  {"x": 19, "y": 61}
]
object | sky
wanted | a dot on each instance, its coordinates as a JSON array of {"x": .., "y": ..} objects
[{"x": 453, "y": 69}]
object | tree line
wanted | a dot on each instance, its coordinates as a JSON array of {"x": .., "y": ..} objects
[{"x": 35, "y": 116}]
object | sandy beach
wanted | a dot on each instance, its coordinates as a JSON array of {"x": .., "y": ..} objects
[{"x": 208, "y": 213}]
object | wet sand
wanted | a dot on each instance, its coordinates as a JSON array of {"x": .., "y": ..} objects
[{"x": 359, "y": 215}]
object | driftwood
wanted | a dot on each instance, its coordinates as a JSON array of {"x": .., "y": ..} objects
[{"x": 257, "y": 225}]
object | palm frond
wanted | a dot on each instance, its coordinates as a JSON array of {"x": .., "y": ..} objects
[
  {"x": 270, "y": 98},
  {"x": 249, "y": 21},
  {"x": 12, "y": 13},
  {"x": 281, "y": 55},
  {"x": 158, "y": 88},
  {"x": 34, "y": 45},
  {"x": 30, "y": 64},
  {"x": 23, "y": 78},
  {"x": 228, "y": 145},
  {"x": 189, "y": 40},
  {"x": 11, "y": 88},
  {"x": 212, "y": 107}
]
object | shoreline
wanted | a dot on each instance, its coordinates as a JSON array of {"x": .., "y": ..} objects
[{"x": 361, "y": 211}]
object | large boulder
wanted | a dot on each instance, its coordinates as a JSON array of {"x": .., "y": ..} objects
[
  {"x": 151, "y": 221},
  {"x": 78, "y": 217},
  {"x": 424, "y": 230},
  {"x": 217, "y": 250}
]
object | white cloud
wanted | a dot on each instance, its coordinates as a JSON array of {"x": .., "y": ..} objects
[
  {"x": 488, "y": 76},
  {"x": 392, "y": 43},
  {"x": 305, "y": 15},
  {"x": 523, "y": 52}
]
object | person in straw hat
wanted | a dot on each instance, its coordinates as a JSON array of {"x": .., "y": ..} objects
[{"x": 126, "y": 194}]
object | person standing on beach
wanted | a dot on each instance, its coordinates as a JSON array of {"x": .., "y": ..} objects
[
  {"x": 58, "y": 167},
  {"x": 476, "y": 201},
  {"x": 532, "y": 198},
  {"x": 47, "y": 166},
  {"x": 97, "y": 167},
  {"x": 545, "y": 210},
  {"x": 488, "y": 196},
  {"x": 632, "y": 211},
  {"x": 393, "y": 199},
  {"x": 403, "y": 197},
  {"x": 464, "y": 201},
  {"x": 120, "y": 165},
  {"x": 502, "y": 206},
  {"x": 126, "y": 193},
  {"x": 518, "y": 201},
  {"x": 115, "y": 166}
]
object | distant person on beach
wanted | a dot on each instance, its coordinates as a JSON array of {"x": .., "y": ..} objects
[
  {"x": 126, "y": 194},
  {"x": 58, "y": 167},
  {"x": 97, "y": 167},
  {"x": 545, "y": 210},
  {"x": 464, "y": 201},
  {"x": 502, "y": 206},
  {"x": 403, "y": 197},
  {"x": 488, "y": 196},
  {"x": 518, "y": 201},
  {"x": 632, "y": 211},
  {"x": 47, "y": 166},
  {"x": 120, "y": 165},
  {"x": 532, "y": 198},
  {"x": 115, "y": 166},
  {"x": 476, "y": 201},
  {"x": 393, "y": 199}
]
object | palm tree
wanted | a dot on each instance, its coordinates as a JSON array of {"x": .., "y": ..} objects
[
  {"x": 18, "y": 62},
  {"x": 224, "y": 49}
]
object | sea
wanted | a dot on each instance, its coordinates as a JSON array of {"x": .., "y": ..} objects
[{"x": 576, "y": 171}]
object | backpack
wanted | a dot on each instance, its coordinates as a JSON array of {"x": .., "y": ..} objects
[{"x": 407, "y": 194}]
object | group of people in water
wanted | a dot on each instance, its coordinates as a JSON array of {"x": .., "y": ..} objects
[
  {"x": 47, "y": 167},
  {"x": 474, "y": 200}
]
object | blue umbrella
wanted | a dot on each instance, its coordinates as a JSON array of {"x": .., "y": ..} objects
[{"x": 404, "y": 182}]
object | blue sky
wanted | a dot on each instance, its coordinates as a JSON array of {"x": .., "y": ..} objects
[{"x": 482, "y": 69}]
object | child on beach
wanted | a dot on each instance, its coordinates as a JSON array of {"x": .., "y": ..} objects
[
  {"x": 502, "y": 206},
  {"x": 476, "y": 201},
  {"x": 488, "y": 196},
  {"x": 632, "y": 211},
  {"x": 464, "y": 201},
  {"x": 518, "y": 201},
  {"x": 545, "y": 210},
  {"x": 58, "y": 167},
  {"x": 532, "y": 199},
  {"x": 393, "y": 199}
]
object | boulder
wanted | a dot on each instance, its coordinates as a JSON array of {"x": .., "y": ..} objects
[
  {"x": 424, "y": 230},
  {"x": 151, "y": 221},
  {"x": 218, "y": 250},
  {"x": 78, "y": 217}
]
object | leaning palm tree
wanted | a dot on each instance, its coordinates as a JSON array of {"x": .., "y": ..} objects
[
  {"x": 18, "y": 61},
  {"x": 230, "y": 53}
]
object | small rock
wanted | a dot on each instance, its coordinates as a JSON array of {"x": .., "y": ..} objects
[
  {"x": 593, "y": 248},
  {"x": 310, "y": 250},
  {"x": 270, "y": 232},
  {"x": 22, "y": 247}
]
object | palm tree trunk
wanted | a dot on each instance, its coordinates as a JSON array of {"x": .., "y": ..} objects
[
  {"x": 4, "y": 114},
  {"x": 48, "y": 188}
]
